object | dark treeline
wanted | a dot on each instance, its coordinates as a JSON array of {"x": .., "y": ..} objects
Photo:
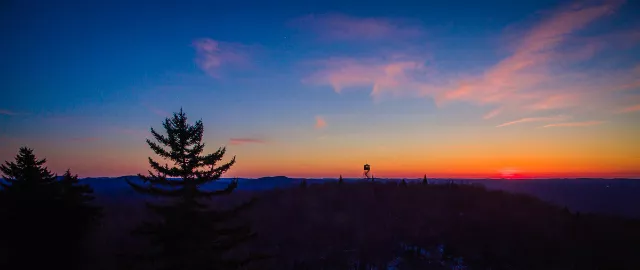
[
  {"x": 53, "y": 222},
  {"x": 45, "y": 218},
  {"x": 423, "y": 226}
]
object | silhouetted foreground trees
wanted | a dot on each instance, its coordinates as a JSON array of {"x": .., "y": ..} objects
[
  {"x": 44, "y": 219},
  {"x": 187, "y": 233}
]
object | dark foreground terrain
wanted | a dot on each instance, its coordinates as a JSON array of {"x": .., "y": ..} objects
[{"x": 389, "y": 225}]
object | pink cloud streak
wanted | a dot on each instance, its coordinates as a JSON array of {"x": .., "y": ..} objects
[
  {"x": 534, "y": 119},
  {"x": 520, "y": 77},
  {"x": 540, "y": 72},
  {"x": 492, "y": 113},
  {"x": 525, "y": 80},
  {"x": 629, "y": 109},
  {"x": 576, "y": 124}
]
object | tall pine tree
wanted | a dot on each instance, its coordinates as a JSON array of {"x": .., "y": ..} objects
[
  {"x": 189, "y": 234},
  {"x": 340, "y": 181}
]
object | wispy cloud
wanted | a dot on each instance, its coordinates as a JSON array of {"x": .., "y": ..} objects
[
  {"x": 8, "y": 112},
  {"x": 155, "y": 110},
  {"x": 576, "y": 124},
  {"x": 241, "y": 141},
  {"x": 542, "y": 70},
  {"x": 630, "y": 86},
  {"x": 629, "y": 109},
  {"x": 525, "y": 76},
  {"x": 493, "y": 113},
  {"x": 393, "y": 75},
  {"x": 535, "y": 119},
  {"x": 213, "y": 55},
  {"x": 384, "y": 71},
  {"x": 320, "y": 122},
  {"x": 554, "y": 101},
  {"x": 343, "y": 27}
]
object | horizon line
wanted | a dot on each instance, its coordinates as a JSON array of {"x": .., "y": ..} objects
[{"x": 409, "y": 178}]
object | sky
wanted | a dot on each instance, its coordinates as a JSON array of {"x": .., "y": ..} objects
[{"x": 525, "y": 89}]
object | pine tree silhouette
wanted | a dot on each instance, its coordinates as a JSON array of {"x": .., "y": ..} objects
[
  {"x": 424, "y": 180},
  {"x": 28, "y": 206},
  {"x": 403, "y": 183},
  {"x": 190, "y": 234},
  {"x": 78, "y": 215},
  {"x": 340, "y": 181},
  {"x": 28, "y": 177},
  {"x": 303, "y": 183},
  {"x": 40, "y": 215}
]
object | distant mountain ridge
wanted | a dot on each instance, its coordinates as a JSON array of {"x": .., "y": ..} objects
[{"x": 609, "y": 196}]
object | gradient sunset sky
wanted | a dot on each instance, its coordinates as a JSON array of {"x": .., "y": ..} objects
[{"x": 532, "y": 88}]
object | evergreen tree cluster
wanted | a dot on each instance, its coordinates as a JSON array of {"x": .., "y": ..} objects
[
  {"x": 402, "y": 183},
  {"x": 44, "y": 217}
]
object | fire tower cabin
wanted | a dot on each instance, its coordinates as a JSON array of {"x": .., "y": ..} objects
[{"x": 367, "y": 167}]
